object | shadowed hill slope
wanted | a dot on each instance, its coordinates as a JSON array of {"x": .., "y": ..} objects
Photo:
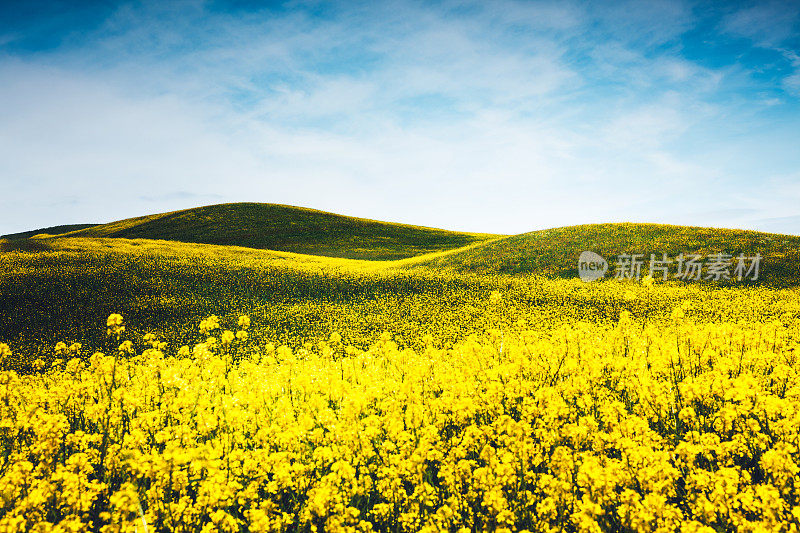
[
  {"x": 554, "y": 252},
  {"x": 53, "y": 230},
  {"x": 289, "y": 229}
]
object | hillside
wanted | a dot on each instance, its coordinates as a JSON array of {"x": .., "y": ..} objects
[
  {"x": 288, "y": 229},
  {"x": 550, "y": 253},
  {"x": 554, "y": 252},
  {"x": 67, "y": 287},
  {"x": 53, "y": 230}
]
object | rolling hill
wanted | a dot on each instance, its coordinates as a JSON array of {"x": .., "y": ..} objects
[
  {"x": 53, "y": 230},
  {"x": 550, "y": 253},
  {"x": 267, "y": 257},
  {"x": 554, "y": 252},
  {"x": 288, "y": 229}
]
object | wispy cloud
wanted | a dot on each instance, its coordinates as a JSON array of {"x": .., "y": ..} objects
[
  {"x": 768, "y": 24},
  {"x": 502, "y": 116}
]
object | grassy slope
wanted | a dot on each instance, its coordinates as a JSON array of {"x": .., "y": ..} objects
[
  {"x": 554, "y": 252},
  {"x": 65, "y": 291},
  {"x": 287, "y": 228},
  {"x": 53, "y": 230},
  {"x": 61, "y": 288}
]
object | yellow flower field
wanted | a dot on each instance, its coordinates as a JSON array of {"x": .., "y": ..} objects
[{"x": 675, "y": 422}]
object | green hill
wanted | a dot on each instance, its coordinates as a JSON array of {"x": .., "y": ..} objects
[
  {"x": 555, "y": 252},
  {"x": 53, "y": 230},
  {"x": 288, "y": 229},
  {"x": 551, "y": 253}
]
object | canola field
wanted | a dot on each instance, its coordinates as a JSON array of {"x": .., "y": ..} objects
[{"x": 151, "y": 387}]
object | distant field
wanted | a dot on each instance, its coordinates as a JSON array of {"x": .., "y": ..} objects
[
  {"x": 57, "y": 289},
  {"x": 60, "y": 288}
]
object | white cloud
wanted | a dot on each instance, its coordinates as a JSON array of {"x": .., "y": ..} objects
[
  {"x": 792, "y": 83},
  {"x": 650, "y": 23},
  {"x": 768, "y": 23},
  {"x": 503, "y": 118}
]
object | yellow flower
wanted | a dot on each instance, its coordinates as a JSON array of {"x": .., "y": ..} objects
[
  {"x": 209, "y": 324},
  {"x": 629, "y": 295},
  {"x": 114, "y": 324},
  {"x": 126, "y": 347}
]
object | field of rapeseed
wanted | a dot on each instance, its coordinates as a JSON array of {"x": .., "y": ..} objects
[{"x": 149, "y": 387}]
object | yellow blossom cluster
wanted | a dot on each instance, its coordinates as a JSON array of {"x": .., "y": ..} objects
[{"x": 636, "y": 425}]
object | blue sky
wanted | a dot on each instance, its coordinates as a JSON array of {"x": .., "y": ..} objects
[{"x": 496, "y": 116}]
